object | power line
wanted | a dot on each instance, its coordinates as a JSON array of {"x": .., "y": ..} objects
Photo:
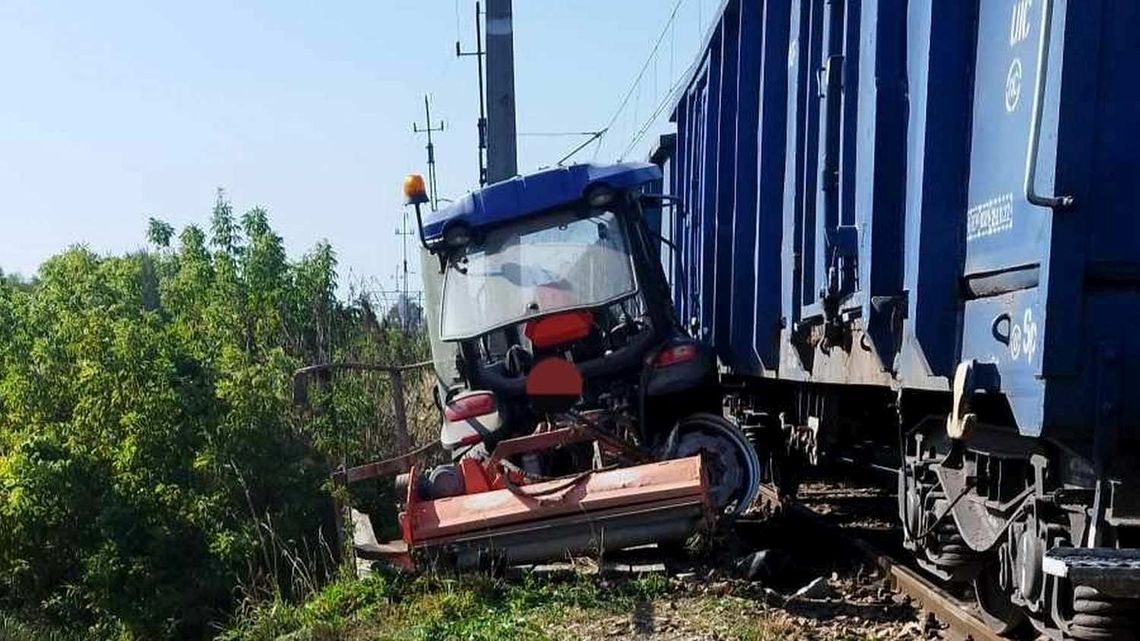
[
  {"x": 600, "y": 136},
  {"x": 666, "y": 100},
  {"x": 597, "y": 135},
  {"x": 557, "y": 134},
  {"x": 644, "y": 66}
]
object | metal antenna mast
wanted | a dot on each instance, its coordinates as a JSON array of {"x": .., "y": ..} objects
[
  {"x": 402, "y": 287},
  {"x": 430, "y": 152},
  {"x": 478, "y": 53}
]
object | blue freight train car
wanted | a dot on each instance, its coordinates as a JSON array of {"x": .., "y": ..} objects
[{"x": 918, "y": 222}]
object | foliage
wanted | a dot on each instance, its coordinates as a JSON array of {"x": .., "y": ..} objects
[
  {"x": 440, "y": 607},
  {"x": 152, "y": 463}
]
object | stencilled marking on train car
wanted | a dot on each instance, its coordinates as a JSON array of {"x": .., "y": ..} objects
[
  {"x": 1019, "y": 25},
  {"x": 1013, "y": 86},
  {"x": 1019, "y": 29},
  {"x": 991, "y": 217},
  {"x": 1023, "y": 337},
  {"x": 1030, "y": 328},
  {"x": 1015, "y": 342}
]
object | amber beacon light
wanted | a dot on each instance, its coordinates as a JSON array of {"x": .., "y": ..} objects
[
  {"x": 414, "y": 191},
  {"x": 416, "y": 194}
]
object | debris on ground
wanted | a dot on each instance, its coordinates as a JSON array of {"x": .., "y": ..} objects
[
  {"x": 817, "y": 589},
  {"x": 763, "y": 565}
]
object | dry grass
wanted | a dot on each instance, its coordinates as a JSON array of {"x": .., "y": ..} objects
[{"x": 590, "y": 608}]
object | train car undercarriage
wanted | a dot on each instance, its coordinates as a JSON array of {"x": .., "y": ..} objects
[{"x": 1042, "y": 537}]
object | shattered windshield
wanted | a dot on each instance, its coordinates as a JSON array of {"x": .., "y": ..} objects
[{"x": 550, "y": 263}]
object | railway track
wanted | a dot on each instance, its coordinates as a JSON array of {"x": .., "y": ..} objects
[{"x": 960, "y": 616}]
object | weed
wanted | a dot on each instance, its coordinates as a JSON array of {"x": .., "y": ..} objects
[{"x": 13, "y": 629}]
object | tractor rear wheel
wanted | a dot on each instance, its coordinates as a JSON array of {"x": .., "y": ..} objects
[{"x": 732, "y": 466}]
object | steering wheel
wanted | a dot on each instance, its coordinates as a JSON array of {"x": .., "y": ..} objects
[{"x": 517, "y": 361}]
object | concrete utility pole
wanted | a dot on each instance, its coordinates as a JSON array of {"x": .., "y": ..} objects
[{"x": 502, "y": 156}]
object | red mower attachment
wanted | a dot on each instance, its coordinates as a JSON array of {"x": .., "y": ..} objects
[
  {"x": 504, "y": 518},
  {"x": 592, "y": 512}
]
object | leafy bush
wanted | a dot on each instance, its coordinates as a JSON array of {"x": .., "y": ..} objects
[{"x": 152, "y": 464}]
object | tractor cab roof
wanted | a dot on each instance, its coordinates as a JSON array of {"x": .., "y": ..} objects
[{"x": 524, "y": 196}]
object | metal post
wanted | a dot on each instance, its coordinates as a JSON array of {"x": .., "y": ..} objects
[
  {"x": 433, "y": 192},
  {"x": 402, "y": 273},
  {"x": 482, "y": 125},
  {"x": 502, "y": 161}
]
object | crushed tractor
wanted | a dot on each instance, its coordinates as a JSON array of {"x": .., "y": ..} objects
[{"x": 578, "y": 414}]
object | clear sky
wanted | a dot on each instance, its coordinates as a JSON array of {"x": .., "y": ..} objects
[{"x": 111, "y": 112}]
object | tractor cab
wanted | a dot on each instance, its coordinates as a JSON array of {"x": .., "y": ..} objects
[{"x": 558, "y": 265}]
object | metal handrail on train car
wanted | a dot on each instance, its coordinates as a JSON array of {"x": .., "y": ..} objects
[{"x": 1031, "y": 195}]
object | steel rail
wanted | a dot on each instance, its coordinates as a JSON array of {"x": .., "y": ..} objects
[{"x": 905, "y": 580}]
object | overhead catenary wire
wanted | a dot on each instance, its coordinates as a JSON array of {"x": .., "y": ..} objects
[
  {"x": 666, "y": 100},
  {"x": 596, "y": 136},
  {"x": 557, "y": 134},
  {"x": 649, "y": 59},
  {"x": 632, "y": 123}
]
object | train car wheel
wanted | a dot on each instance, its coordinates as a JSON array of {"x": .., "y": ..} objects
[{"x": 997, "y": 610}]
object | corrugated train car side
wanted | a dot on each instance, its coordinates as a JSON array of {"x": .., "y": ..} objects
[{"x": 917, "y": 224}]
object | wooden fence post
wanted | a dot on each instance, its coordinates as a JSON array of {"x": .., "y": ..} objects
[{"x": 403, "y": 445}]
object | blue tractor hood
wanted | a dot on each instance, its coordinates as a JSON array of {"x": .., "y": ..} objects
[{"x": 524, "y": 196}]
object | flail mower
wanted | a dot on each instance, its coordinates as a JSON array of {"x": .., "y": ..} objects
[{"x": 578, "y": 415}]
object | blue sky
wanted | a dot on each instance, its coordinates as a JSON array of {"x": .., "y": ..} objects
[{"x": 115, "y": 111}]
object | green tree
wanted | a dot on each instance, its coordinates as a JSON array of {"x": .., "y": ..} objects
[
  {"x": 159, "y": 232},
  {"x": 151, "y": 460}
]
